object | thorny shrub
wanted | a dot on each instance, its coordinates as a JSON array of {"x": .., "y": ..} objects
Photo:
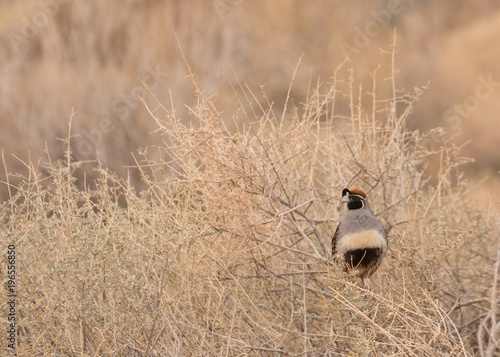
[{"x": 226, "y": 247}]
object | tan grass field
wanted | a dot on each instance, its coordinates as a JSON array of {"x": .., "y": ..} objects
[
  {"x": 226, "y": 252},
  {"x": 212, "y": 237}
]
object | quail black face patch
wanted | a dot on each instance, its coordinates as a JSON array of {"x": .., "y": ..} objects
[{"x": 355, "y": 203}]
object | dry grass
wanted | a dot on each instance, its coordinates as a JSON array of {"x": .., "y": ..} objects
[
  {"x": 91, "y": 55},
  {"x": 226, "y": 251}
]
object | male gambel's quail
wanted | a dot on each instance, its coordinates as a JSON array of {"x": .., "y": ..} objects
[{"x": 360, "y": 241}]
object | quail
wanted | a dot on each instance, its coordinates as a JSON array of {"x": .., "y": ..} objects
[{"x": 360, "y": 241}]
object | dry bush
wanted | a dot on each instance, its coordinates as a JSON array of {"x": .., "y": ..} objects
[
  {"x": 91, "y": 55},
  {"x": 227, "y": 251}
]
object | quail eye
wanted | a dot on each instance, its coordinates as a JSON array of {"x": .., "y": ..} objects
[{"x": 354, "y": 204}]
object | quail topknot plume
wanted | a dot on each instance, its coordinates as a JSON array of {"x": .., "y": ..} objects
[{"x": 360, "y": 241}]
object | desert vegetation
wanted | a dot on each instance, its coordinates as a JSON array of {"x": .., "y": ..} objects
[
  {"x": 90, "y": 57},
  {"x": 171, "y": 176},
  {"x": 226, "y": 250}
]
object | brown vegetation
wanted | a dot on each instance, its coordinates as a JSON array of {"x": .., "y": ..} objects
[
  {"x": 213, "y": 237},
  {"x": 91, "y": 56},
  {"x": 227, "y": 250}
]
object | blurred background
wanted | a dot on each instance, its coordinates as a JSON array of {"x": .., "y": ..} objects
[{"x": 95, "y": 59}]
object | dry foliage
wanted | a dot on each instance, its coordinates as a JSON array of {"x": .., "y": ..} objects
[
  {"x": 227, "y": 250},
  {"x": 91, "y": 55}
]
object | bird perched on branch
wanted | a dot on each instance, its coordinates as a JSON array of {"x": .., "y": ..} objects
[{"x": 360, "y": 241}]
